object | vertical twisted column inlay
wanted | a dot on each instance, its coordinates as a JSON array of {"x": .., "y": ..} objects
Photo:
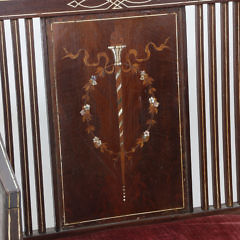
[{"x": 118, "y": 76}]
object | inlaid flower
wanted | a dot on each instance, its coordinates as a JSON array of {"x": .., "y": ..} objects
[
  {"x": 146, "y": 136},
  {"x": 153, "y": 101},
  {"x": 143, "y": 75},
  {"x": 97, "y": 142},
  {"x": 85, "y": 109},
  {"x": 93, "y": 80},
  {"x": 146, "y": 133},
  {"x": 82, "y": 112}
]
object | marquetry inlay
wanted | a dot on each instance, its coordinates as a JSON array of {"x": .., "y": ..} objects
[
  {"x": 128, "y": 66},
  {"x": 108, "y": 4}
]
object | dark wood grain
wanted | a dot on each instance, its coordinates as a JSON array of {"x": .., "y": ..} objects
[
  {"x": 22, "y": 127},
  {"x": 35, "y": 126},
  {"x": 213, "y": 104},
  {"x": 183, "y": 74},
  {"x": 226, "y": 104},
  {"x": 45, "y": 8},
  {"x": 88, "y": 175},
  {"x": 236, "y": 52},
  {"x": 201, "y": 107},
  {"x": 89, "y": 165},
  {"x": 6, "y": 95}
]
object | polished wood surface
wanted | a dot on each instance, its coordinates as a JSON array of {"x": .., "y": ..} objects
[
  {"x": 149, "y": 168},
  {"x": 45, "y": 8},
  {"x": 201, "y": 107},
  {"x": 54, "y": 156},
  {"x": 22, "y": 128},
  {"x": 6, "y": 95},
  {"x": 213, "y": 104},
  {"x": 94, "y": 185},
  {"x": 226, "y": 104},
  {"x": 35, "y": 126},
  {"x": 236, "y": 51}
]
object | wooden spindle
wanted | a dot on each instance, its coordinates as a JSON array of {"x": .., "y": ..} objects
[
  {"x": 213, "y": 105},
  {"x": 6, "y": 96},
  {"x": 226, "y": 104},
  {"x": 236, "y": 60},
  {"x": 22, "y": 127},
  {"x": 201, "y": 107},
  {"x": 57, "y": 189},
  {"x": 35, "y": 126}
]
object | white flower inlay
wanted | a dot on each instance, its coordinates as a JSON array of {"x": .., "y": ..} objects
[
  {"x": 146, "y": 134},
  {"x": 143, "y": 75},
  {"x": 153, "y": 101},
  {"x": 85, "y": 109},
  {"x": 93, "y": 80},
  {"x": 97, "y": 141}
]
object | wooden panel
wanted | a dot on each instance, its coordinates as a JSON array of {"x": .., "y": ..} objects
[
  {"x": 120, "y": 136},
  {"x": 201, "y": 107},
  {"x": 213, "y": 105},
  {"x": 44, "y": 8}
]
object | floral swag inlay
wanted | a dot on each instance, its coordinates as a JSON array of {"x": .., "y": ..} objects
[
  {"x": 132, "y": 65},
  {"x": 147, "y": 82}
]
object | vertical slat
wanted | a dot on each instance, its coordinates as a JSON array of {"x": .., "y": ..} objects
[
  {"x": 55, "y": 167},
  {"x": 226, "y": 104},
  {"x": 201, "y": 107},
  {"x": 35, "y": 126},
  {"x": 236, "y": 60},
  {"x": 213, "y": 105},
  {"x": 6, "y": 96},
  {"x": 22, "y": 127}
]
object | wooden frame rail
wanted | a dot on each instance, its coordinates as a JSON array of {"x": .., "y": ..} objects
[
  {"x": 47, "y": 8},
  {"x": 10, "y": 215}
]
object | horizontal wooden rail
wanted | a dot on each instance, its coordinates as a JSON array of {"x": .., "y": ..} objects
[
  {"x": 10, "y": 220},
  {"x": 44, "y": 8}
]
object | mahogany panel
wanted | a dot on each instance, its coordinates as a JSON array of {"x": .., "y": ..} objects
[{"x": 121, "y": 130}]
